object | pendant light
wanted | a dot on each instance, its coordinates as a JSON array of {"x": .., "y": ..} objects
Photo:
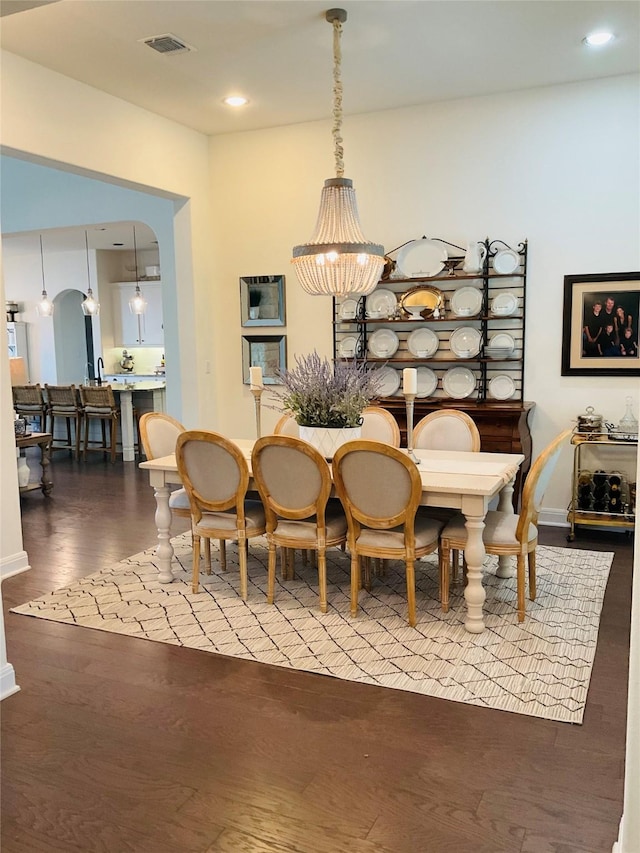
[
  {"x": 137, "y": 303},
  {"x": 45, "y": 306},
  {"x": 90, "y": 305},
  {"x": 338, "y": 260}
]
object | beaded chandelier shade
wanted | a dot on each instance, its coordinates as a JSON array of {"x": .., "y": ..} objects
[{"x": 338, "y": 260}]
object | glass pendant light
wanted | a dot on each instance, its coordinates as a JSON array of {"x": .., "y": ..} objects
[
  {"x": 90, "y": 305},
  {"x": 338, "y": 260},
  {"x": 45, "y": 306},
  {"x": 137, "y": 303}
]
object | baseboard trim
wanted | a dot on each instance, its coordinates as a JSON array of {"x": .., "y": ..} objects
[
  {"x": 553, "y": 517},
  {"x": 8, "y": 684},
  {"x": 14, "y": 565}
]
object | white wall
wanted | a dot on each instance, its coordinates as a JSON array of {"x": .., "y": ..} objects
[{"x": 556, "y": 165}]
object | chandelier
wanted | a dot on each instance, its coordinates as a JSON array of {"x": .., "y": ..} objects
[
  {"x": 90, "y": 305},
  {"x": 338, "y": 260}
]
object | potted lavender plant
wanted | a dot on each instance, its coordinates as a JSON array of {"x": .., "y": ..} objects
[{"x": 326, "y": 399}]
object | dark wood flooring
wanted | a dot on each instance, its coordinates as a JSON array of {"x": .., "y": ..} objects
[{"x": 116, "y": 744}]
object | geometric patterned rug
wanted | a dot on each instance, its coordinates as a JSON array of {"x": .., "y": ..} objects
[{"x": 541, "y": 667}]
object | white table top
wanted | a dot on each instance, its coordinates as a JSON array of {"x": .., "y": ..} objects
[{"x": 443, "y": 471}]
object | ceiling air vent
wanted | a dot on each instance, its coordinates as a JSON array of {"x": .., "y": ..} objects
[{"x": 167, "y": 44}]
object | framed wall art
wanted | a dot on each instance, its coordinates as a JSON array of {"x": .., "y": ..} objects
[
  {"x": 262, "y": 300},
  {"x": 600, "y": 324},
  {"x": 266, "y": 351}
]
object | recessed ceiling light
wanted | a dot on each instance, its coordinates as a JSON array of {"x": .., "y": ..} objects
[
  {"x": 598, "y": 39},
  {"x": 235, "y": 101}
]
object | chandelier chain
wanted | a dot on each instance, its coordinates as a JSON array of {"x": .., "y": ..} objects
[{"x": 337, "y": 100}]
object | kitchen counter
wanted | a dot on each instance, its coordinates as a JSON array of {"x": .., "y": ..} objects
[{"x": 149, "y": 395}]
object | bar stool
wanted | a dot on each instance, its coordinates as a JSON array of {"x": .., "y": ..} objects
[
  {"x": 99, "y": 404},
  {"x": 63, "y": 402},
  {"x": 28, "y": 401}
]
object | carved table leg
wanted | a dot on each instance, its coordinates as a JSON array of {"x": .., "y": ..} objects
[
  {"x": 45, "y": 459},
  {"x": 164, "y": 551},
  {"x": 506, "y": 565},
  {"x": 474, "y": 591}
]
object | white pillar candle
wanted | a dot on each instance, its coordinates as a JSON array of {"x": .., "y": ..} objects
[
  {"x": 409, "y": 380},
  {"x": 255, "y": 377}
]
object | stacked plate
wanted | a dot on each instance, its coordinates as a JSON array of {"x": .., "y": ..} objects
[{"x": 500, "y": 346}]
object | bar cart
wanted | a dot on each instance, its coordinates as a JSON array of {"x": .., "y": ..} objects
[{"x": 603, "y": 492}]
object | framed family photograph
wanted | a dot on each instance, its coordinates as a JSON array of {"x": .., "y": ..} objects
[{"x": 600, "y": 324}]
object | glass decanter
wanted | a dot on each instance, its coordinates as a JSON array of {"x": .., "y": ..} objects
[{"x": 628, "y": 424}]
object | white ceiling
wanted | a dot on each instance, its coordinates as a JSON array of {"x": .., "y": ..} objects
[
  {"x": 108, "y": 235},
  {"x": 279, "y": 52}
]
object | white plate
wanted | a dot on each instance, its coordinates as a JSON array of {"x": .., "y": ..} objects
[
  {"x": 348, "y": 309},
  {"x": 502, "y": 387},
  {"x": 421, "y": 258},
  {"x": 384, "y": 343},
  {"x": 502, "y": 341},
  {"x": 427, "y": 382},
  {"x": 423, "y": 343},
  {"x": 506, "y": 261},
  {"x": 388, "y": 381},
  {"x": 504, "y": 304},
  {"x": 348, "y": 347},
  {"x": 458, "y": 382},
  {"x": 381, "y": 303},
  {"x": 465, "y": 342},
  {"x": 466, "y": 301}
]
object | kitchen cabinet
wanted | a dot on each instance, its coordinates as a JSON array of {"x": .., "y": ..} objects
[{"x": 132, "y": 330}]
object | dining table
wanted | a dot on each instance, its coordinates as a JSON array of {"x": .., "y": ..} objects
[{"x": 466, "y": 481}]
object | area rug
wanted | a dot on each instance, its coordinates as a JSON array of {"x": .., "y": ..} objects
[{"x": 541, "y": 667}]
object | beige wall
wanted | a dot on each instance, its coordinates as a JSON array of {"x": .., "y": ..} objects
[{"x": 556, "y": 165}]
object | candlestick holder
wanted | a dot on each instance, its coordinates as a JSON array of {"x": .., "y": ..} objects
[
  {"x": 409, "y": 399},
  {"x": 257, "y": 394}
]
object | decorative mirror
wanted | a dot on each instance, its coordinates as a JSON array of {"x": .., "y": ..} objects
[
  {"x": 423, "y": 301},
  {"x": 262, "y": 300},
  {"x": 266, "y": 351}
]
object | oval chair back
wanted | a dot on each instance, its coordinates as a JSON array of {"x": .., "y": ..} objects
[
  {"x": 287, "y": 426},
  {"x": 379, "y": 425},
  {"x": 446, "y": 430},
  {"x": 158, "y": 434}
]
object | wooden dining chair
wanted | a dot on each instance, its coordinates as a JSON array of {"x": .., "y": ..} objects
[
  {"x": 508, "y": 534},
  {"x": 380, "y": 489},
  {"x": 379, "y": 424},
  {"x": 158, "y": 435},
  {"x": 294, "y": 482},
  {"x": 63, "y": 401},
  {"x": 447, "y": 429},
  {"x": 287, "y": 426},
  {"x": 216, "y": 477}
]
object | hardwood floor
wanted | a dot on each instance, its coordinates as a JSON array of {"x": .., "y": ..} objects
[{"x": 116, "y": 744}]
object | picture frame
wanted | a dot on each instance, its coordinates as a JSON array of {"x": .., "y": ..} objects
[
  {"x": 262, "y": 300},
  {"x": 591, "y": 345},
  {"x": 266, "y": 351}
]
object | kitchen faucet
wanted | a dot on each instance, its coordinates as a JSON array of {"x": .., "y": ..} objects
[{"x": 99, "y": 363}]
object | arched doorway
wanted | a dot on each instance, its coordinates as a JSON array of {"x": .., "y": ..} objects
[{"x": 73, "y": 339}]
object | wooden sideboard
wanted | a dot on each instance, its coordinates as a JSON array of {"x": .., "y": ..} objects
[{"x": 503, "y": 427}]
